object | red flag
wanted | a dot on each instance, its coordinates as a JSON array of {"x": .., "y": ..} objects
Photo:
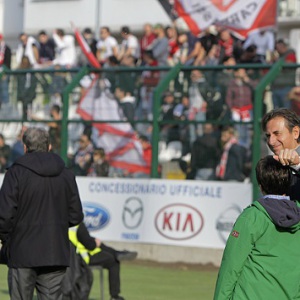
[
  {"x": 240, "y": 16},
  {"x": 85, "y": 48}
]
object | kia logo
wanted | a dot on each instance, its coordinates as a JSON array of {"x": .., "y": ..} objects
[
  {"x": 95, "y": 216},
  {"x": 178, "y": 221},
  {"x": 133, "y": 212},
  {"x": 226, "y": 221}
]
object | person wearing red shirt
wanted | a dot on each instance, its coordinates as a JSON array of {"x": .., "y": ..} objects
[{"x": 148, "y": 37}]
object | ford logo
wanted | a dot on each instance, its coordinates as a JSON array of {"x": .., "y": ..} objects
[
  {"x": 95, "y": 216},
  {"x": 179, "y": 221}
]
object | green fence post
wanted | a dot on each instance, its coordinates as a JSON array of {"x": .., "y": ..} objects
[
  {"x": 162, "y": 86},
  {"x": 65, "y": 111},
  {"x": 258, "y": 111}
]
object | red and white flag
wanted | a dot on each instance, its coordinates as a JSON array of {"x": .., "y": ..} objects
[
  {"x": 85, "y": 48},
  {"x": 122, "y": 147},
  {"x": 240, "y": 16}
]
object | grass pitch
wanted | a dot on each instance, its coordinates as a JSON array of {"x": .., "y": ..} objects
[{"x": 141, "y": 280}]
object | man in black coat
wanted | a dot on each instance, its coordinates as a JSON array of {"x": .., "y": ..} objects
[{"x": 39, "y": 201}]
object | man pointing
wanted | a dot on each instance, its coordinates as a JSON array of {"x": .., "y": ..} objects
[{"x": 282, "y": 130}]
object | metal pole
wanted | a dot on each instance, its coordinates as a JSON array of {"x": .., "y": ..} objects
[{"x": 97, "y": 23}]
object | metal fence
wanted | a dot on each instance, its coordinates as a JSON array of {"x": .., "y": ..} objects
[{"x": 32, "y": 94}]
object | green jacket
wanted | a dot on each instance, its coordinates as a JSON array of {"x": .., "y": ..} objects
[{"x": 262, "y": 256}]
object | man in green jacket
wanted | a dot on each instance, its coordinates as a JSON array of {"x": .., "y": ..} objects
[{"x": 262, "y": 255}]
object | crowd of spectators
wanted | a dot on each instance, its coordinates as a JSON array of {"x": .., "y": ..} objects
[{"x": 199, "y": 96}]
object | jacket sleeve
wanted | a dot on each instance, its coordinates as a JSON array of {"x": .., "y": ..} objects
[
  {"x": 8, "y": 204},
  {"x": 241, "y": 240},
  {"x": 75, "y": 207},
  {"x": 84, "y": 237}
]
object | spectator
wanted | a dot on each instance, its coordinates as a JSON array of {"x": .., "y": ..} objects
[
  {"x": 40, "y": 192},
  {"x": 128, "y": 79},
  {"x": 159, "y": 46},
  {"x": 198, "y": 90},
  {"x": 264, "y": 237},
  {"x": 149, "y": 80},
  {"x": 107, "y": 46},
  {"x": 100, "y": 166},
  {"x": 250, "y": 56},
  {"x": 205, "y": 154},
  {"x": 5, "y": 60},
  {"x": 28, "y": 47},
  {"x": 212, "y": 57},
  {"x": 147, "y": 149},
  {"x": 189, "y": 48},
  {"x": 130, "y": 44},
  {"x": 89, "y": 37},
  {"x": 181, "y": 113},
  {"x": 228, "y": 45},
  {"x": 264, "y": 42},
  {"x": 95, "y": 253},
  {"x": 233, "y": 157},
  {"x": 83, "y": 157},
  {"x": 174, "y": 53},
  {"x": 147, "y": 38},
  {"x": 55, "y": 129},
  {"x": 5, "y": 154},
  {"x": 65, "y": 49},
  {"x": 169, "y": 132},
  {"x": 126, "y": 103},
  {"x": 17, "y": 149},
  {"x": 209, "y": 39},
  {"x": 222, "y": 83},
  {"x": 46, "y": 48},
  {"x": 285, "y": 81},
  {"x": 239, "y": 100},
  {"x": 26, "y": 88}
]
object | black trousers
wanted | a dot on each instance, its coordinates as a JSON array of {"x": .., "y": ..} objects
[
  {"x": 46, "y": 280},
  {"x": 108, "y": 260}
]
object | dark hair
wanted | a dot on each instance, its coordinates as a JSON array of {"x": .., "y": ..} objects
[
  {"x": 113, "y": 60},
  {"x": 60, "y": 32},
  {"x": 144, "y": 138},
  {"x": 272, "y": 176},
  {"x": 87, "y": 30},
  {"x": 36, "y": 140},
  {"x": 226, "y": 58},
  {"x": 290, "y": 117},
  {"x": 106, "y": 28},
  {"x": 56, "y": 108},
  {"x": 149, "y": 53},
  {"x": 99, "y": 151},
  {"x": 42, "y": 32},
  {"x": 125, "y": 29}
]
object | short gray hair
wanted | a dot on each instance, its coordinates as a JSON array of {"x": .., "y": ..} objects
[{"x": 36, "y": 140}]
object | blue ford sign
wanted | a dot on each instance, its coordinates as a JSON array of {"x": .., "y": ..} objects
[{"x": 95, "y": 216}]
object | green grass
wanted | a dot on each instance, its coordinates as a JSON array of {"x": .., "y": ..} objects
[{"x": 150, "y": 281}]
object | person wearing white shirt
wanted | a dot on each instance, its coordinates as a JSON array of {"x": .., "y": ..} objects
[
  {"x": 130, "y": 44},
  {"x": 263, "y": 40},
  {"x": 28, "y": 47},
  {"x": 65, "y": 49},
  {"x": 107, "y": 45}
]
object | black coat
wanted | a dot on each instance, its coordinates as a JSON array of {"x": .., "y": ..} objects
[
  {"x": 235, "y": 167},
  {"x": 39, "y": 201}
]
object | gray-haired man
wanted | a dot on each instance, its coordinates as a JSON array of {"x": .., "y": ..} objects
[{"x": 39, "y": 201}]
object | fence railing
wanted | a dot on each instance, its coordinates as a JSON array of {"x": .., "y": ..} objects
[{"x": 68, "y": 86}]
